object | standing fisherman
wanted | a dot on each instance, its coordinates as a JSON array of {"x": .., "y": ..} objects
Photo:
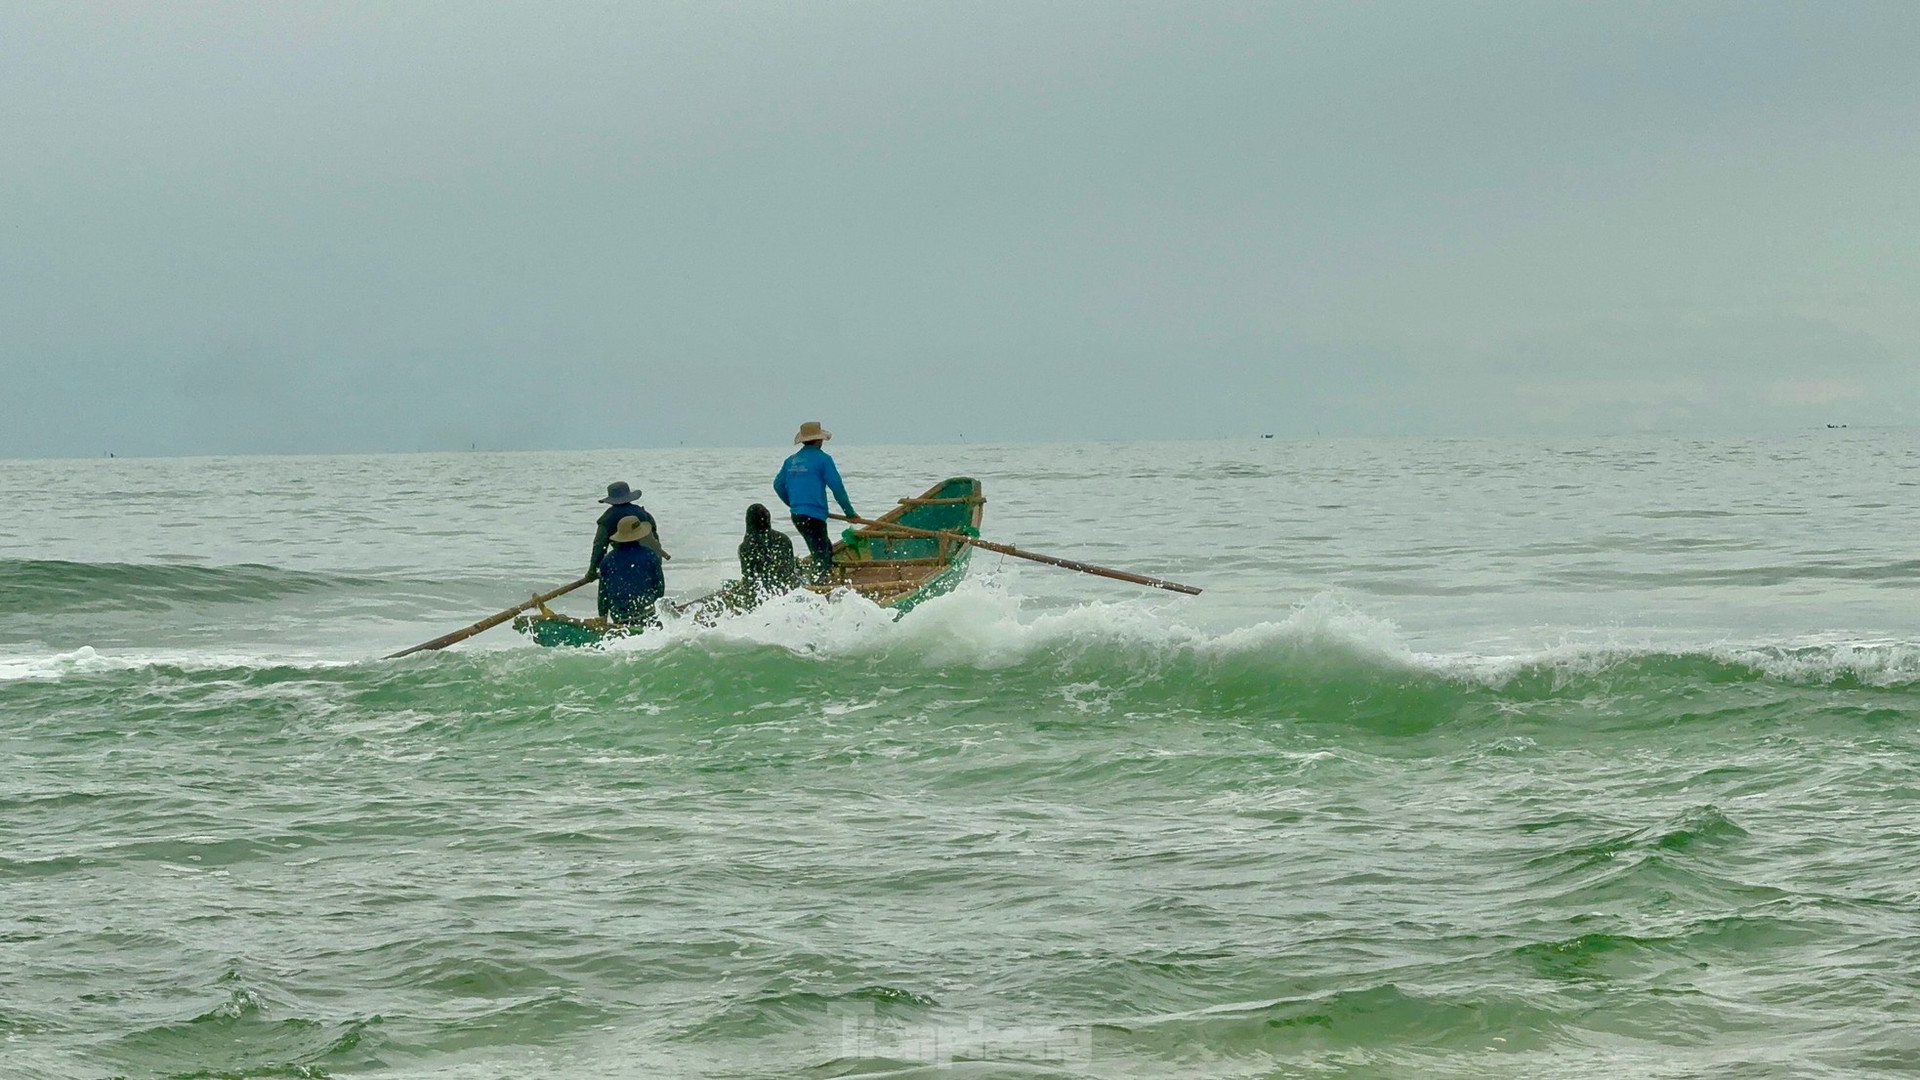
[
  {"x": 620, "y": 504},
  {"x": 802, "y": 484}
]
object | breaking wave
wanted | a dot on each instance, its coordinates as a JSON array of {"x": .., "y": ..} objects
[{"x": 1323, "y": 662}]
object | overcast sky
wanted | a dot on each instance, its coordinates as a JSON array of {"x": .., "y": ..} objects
[{"x": 341, "y": 226}]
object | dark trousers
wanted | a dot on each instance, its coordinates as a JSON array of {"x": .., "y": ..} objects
[{"x": 814, "y": 532}]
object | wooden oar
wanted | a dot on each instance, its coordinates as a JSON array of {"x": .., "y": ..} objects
[
  {"x": 489, "y": 622},
  {"x": 1070, "y": 564}
]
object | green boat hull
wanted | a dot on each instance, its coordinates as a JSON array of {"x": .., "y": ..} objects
[
  {"x": 562, "y": 632},
  {"x": 939, "y": 585}
]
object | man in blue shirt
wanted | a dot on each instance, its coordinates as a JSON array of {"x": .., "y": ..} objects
[{"x": 802, "y": 483}]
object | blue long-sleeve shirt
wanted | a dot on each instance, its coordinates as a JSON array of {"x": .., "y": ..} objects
[
  {"x": 630, "y": 581},
  {"x": 803, "y": 480}
]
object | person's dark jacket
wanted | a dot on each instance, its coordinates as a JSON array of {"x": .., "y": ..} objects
[
  {"x": 630, "y": 582},
  {"x": 610, "y": 521},
  {"x": 767, "y": 563}
]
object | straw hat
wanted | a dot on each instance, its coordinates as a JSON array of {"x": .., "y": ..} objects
[
  {"x": 810, "y": 431},
  {"x": 631, "y": 529}
]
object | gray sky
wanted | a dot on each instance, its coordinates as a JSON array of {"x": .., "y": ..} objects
[{"x": 342, "y": 226}]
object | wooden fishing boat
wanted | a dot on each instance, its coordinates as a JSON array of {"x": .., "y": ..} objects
[
  {"x": 900, "y": 571},
  {"x": 893, "y": 569}
]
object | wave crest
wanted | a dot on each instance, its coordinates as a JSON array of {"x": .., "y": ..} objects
[
  {"x": 1321, "y": 662},
  {"x": 49, "y": 586}
]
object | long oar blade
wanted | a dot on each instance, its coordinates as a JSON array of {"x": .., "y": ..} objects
[
  {"x": 1050, "y": 560},
  {"x": 489, "y": 622}
]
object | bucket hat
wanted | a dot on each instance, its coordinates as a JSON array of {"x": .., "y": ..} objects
[
  {"x": 631, "y": 529},
  {"x": 619, "y": 494}
]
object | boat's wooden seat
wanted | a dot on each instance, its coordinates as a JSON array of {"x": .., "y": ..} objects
[{"x": 838, "y": 563}]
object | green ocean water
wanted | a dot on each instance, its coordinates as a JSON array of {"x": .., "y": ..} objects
[{"x": 1476, "y": 759}]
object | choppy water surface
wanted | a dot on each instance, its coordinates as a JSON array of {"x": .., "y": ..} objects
[{"x": 1476, "y": 759}]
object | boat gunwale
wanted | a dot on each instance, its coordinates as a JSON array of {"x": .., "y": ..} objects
[{"x": 937, "y": 567}]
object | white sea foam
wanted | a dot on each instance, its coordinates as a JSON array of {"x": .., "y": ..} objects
[
  {"x": 83, "y": 660},
  {"x": 86, "y": 660},
  {"x": 984, "y": 624}
]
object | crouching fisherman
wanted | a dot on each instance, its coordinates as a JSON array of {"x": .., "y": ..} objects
[
  {"x": 767, "y": 565},
  {"x": 631, "y": 579}
]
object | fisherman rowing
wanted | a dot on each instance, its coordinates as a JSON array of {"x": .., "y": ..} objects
[{"x": 802, "y": 483}]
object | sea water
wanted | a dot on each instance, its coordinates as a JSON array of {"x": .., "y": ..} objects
[{"x": 1575, "y": 758}]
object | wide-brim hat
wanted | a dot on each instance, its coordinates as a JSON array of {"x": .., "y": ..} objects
[
  {"x": 619, "y": 494},
  {"x": 811, "y": 431},
  {"x": 631, "y": 529}
]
